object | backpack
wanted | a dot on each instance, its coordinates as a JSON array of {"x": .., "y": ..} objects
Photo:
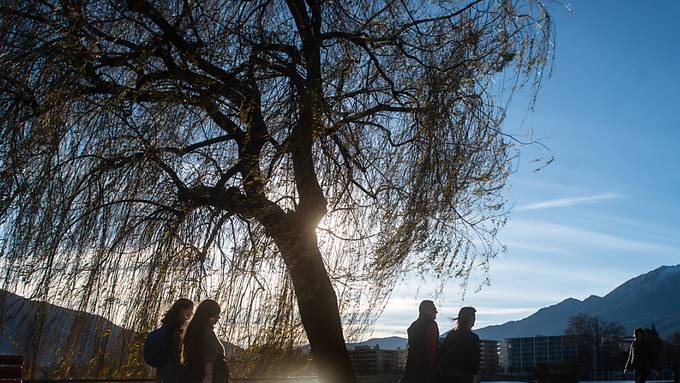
[{"x": 156, "y": 352}]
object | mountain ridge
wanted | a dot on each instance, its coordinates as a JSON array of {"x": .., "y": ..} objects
[
  {"x": 79, "y": 343},
  {"x": 641, "y": 301},
  {"x": 647, "y": 299}
]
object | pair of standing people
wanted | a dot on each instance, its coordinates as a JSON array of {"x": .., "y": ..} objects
[
  {"x": 456, "y": 360},
  {"x": 195, "y": 354},
  {"x": 644, "y": 354}
]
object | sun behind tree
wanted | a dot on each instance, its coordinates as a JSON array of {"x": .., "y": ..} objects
[{"x": 194, "y": 147}]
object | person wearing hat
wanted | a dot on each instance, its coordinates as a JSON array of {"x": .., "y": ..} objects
[
  {"x": 459, "y": 353},
  {"x": 423, "y": 338}
]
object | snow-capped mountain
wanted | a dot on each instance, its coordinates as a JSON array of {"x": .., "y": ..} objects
[{"x": 651, "y": 298}]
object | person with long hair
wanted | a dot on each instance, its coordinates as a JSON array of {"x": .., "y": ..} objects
[
  {"x": 204, "y": 359},
  {"x": 458, "y": 360},
  {"x": 174, "y": 322}
]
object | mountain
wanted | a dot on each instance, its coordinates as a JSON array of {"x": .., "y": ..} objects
[
  {"x": 56, "y": 341},
  {"x": 60, "y": 342},
  {"x": 651, "y": 298},
  {"x": 80, "y": 343},
  {"x": 389, "y": 343}
]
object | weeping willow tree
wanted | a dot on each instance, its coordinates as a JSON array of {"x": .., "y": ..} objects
[{"x": 288, "y": 158}]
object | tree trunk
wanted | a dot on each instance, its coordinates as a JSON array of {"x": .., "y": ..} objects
[{"x": 317, "y": 302}]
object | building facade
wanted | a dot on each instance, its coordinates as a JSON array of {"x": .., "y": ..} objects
[
  {"x": 522, "y": 355},
  {"x": 489, "y": 357},
  {"x": 374, "y": 360}
]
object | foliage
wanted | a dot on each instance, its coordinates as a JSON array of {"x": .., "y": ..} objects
[
  {"x": 599, "y": 342},
  {"x": 161, "y": 149},
  {"x": 593, "y": 327},
  {"x": 671, "y": 351}
]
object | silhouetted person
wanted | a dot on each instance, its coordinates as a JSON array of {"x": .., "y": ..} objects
[
  {"x": 174, "y": 322},
  {"x": 638, "y": 357},
  {"x": 459, "y": 353},
  {"x": 203, "y": 353},
  {"x": 423, "y": 337},
  {"x": 654, "y": 347}
]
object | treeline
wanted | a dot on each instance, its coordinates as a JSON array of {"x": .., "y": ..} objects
[{"x": 604, "y": 345}]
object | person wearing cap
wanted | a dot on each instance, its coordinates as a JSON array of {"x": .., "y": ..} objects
[
  {"x": 423, "y": 338},
  {"x": 459, "y": 353}
]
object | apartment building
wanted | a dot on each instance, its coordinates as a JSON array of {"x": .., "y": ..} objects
[
  {"x": 374, "y": 360},
  {"x": 523, "y": 354}
]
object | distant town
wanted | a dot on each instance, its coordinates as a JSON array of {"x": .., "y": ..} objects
[
  {"x": 589, "y": 338},
  {"x": 524, "y": 358},
  {"x": 593, "y": 346}
]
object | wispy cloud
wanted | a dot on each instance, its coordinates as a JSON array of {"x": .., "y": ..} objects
[
  {"x": 586, "y": 241},
  {"x": 570, "y": 201}
]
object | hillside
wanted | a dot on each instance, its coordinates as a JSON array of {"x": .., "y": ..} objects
[
  {"x": 59, "y": 342},
  {"x": 651, "y": 298},
  {"x": 389, "y": 343}
]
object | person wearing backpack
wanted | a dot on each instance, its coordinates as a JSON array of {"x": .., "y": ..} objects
[
  {"x": 204, "y": 360},
  {"x": 163, "y": 346}
]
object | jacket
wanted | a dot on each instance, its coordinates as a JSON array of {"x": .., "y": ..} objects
[
  {"x": 423, "y": 337},
  {"x": 638, "y": 356}
]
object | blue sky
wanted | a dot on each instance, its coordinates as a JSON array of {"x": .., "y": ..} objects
[{"x": 607, "y": 208}]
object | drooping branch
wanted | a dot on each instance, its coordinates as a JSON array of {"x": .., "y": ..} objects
[{"x": 180, "y": 146}]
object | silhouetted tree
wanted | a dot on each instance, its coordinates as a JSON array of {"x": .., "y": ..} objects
[
  {"x": 598, "y": 342},
  {"x": 674, "y": 341},
  {"x": 672, "y": 353},
  {"x": 266, "y": 153}
]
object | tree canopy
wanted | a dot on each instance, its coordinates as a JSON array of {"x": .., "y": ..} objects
[
  {"x": 263, "y": 153},
  {"x": 593, "y": 327},
  {"x": 598, "y": 343}
]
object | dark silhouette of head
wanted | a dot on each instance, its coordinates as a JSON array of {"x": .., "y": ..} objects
[
  {"x": 639, "y": 333},
  {"x": 177, "y": 313},
  {"x": 466, "y": 318},
  {"x": 651, "y": 332},
  {"x": 428, "y": 308},
  {"x": 205, "y": 316}
]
